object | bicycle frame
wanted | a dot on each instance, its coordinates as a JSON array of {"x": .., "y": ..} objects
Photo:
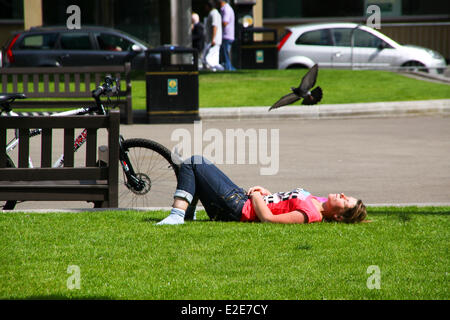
[{"x": 79, "y": 141}]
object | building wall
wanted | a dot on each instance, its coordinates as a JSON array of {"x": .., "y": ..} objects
[
  {"x": 143, "y": 19},
  {"x": 7, "y": 28}
]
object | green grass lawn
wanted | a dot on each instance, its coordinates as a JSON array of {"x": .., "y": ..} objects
[
  {"x": 264, "y": 87},
  {"x": 123, "y": 255}
]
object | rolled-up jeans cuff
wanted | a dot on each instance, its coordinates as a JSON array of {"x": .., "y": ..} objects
[{"x": 184, "y": 195}]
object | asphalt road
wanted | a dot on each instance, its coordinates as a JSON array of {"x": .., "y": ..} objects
[{"x": 380, "y": 160}]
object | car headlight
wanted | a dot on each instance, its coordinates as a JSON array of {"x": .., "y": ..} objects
[{"x": 435, "y": 54}]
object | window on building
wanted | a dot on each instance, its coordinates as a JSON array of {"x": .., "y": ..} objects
[
  {"x": 424, "y": 7},
  {"x": 11, "y": 9},
  {"x": 282, "y": 9},
  {"x": 312, "y": 8},
  {"x": 351, "y": 8}
]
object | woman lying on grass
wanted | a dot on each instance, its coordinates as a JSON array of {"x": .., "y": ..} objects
[{"x": 224, "y": 201}]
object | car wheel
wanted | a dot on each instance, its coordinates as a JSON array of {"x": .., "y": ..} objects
[
  {"x": 297, "y": 66},
  {"x": 414, "y": 66}
]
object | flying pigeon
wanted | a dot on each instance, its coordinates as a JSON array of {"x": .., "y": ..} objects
[{"x": 303, "y": 91}]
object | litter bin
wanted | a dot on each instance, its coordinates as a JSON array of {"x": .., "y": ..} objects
[
  {"x": 172, "y": 85},
  {"x": 258, "y": 48}
]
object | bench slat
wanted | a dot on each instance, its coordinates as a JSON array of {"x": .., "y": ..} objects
[
  {"x": 46, "y": 84},
  {"x": 24, "y": 148},
  {"x": 56, "y": 82},
  {"x": 69, "y": 136},
  {"x": 14, "y": 79},
  {"x": 46, "y": 148},
  {"x": 25, "y": 83},
  {"x": 77, "y": 82},
  {"x": 54, "y": 122},
  {"x": 46, "y": 174},
  {"x": 3, "y": 136},
  {"x": 91, "y": 148},
  {"x": 66, "y": 82},
  {"x": 55, "y": 193},
  {"x": 35, "y": 83}
]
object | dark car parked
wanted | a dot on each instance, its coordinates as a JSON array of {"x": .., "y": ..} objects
[{"x": 88, "y": 46}]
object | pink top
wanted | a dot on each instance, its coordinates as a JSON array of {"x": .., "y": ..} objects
[{"x": 284, "y": 202}]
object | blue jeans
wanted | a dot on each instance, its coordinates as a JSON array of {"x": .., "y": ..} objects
[
  {"x": 201, "y": 179},
  {"x": 225, "y": 49}
]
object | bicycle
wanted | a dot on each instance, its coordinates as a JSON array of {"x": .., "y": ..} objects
[{"x": 149, "y": 170}]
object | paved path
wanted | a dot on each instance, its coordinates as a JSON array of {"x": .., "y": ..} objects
[{"x": 380, "y": 160}]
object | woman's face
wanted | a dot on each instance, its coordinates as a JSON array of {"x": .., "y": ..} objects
[{"x": 339, "y": 202}]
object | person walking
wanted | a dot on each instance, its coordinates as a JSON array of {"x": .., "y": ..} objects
[
  {"x": 198, "y": 36},
  {"x": 213, "y": 37},
  {"x": 227, "y": 13}
]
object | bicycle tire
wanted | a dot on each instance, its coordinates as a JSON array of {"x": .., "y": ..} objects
[
  {"x": 8, "y": 204},
  {"x": 152, "y": 162}
]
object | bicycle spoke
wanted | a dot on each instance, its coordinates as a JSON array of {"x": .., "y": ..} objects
[{"x": 150, "y": 164}]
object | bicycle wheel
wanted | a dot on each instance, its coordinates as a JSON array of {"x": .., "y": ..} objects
[
  {"x": 152, "y": 163},
  {"x": 8, "y": 204}
]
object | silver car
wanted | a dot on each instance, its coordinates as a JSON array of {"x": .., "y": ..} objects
[{"x": 350, "y": 45}]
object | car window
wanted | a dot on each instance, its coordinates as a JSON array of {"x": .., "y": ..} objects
[
  {"x": 75, "y": 41},
  {"x": 366, "y": 39},
  {"x": 342, "y": 37},
  {"x": 38, "y": 41},
  {"x": 113, "y": 42},
  {"x": 315, "y": 38}
]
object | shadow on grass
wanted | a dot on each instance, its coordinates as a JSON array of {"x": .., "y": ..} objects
[{"x": 303, "y": 246}]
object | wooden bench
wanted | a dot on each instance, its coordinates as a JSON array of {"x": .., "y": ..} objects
[
  {"x": 68, "y": 84},
  {"x": 91, "y": 182}
]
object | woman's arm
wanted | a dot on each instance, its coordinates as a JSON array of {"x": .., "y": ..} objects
[
  {"x": 265, "y": 215},
  {"x": 261, "y": 190}
]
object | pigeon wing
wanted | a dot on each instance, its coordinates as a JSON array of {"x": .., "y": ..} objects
[
  {"x": 285, "y": 100},
  {"x": 309, "y": 80}
]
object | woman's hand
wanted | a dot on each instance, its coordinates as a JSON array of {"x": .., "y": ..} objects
[
  {"x": 251, "y": 194},
  {"x": 261, "y": 190}
]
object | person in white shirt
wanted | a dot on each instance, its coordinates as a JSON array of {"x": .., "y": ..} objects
[{"x": 213, "y": 37}]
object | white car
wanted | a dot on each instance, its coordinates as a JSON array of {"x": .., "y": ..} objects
[{"x": 350, "y": 45}]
